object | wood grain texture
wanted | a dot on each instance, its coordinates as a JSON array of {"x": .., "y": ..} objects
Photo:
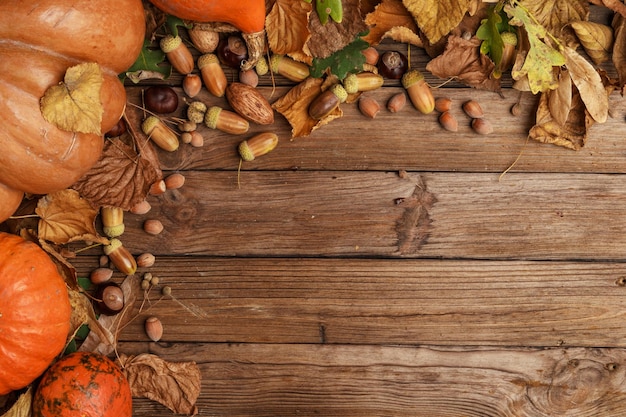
[{"x": 358, "y": 380}]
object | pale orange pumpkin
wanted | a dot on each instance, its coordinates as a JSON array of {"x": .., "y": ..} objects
[
  {"x": 39, "y": 41},
  {"x": 34, "y": 312}
]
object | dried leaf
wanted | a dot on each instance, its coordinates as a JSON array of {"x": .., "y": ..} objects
[
  {"x": 83, "y": 313},
  {"x": 332, "y": 37},
  {"x": 21, "y": 407},
  {"x": 74, "y": 105},
  {"x": 596, "y": 39},
  {"x": 462, "y": 59},
  {"x": 619, "y": 49},
  {"x": 286, "y": 26},
  {"x": 392, "y": 20},
  {"x": 560, "y": 99},
  {"x": 589, "y": 84},
  {"x": 66, "y": 217},
  {"x": 122, "y": 176},
  {"x": 176, "y": 385},
  {"x": 616, "y": 5},
  {"x": 556, "y": 15},
  {"x": 295, "y": 107},
  {"x": 540, "y": 58},
  {"x": 436, "y": 18},
  {"x": 572, "y": 134}
]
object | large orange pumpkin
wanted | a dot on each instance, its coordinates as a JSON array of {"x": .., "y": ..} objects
[
  {"x": 39, "y": 41},
  {"x": 83, "y": 384},
  {"x": 34, "y": 312}
]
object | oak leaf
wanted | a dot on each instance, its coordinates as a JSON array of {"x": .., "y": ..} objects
[
  {"x": 294, "y": 106},
  {"x": 74, "y": 104},
  {"x": 589, "y": 84},
  {"x": 286, "y": 26},
  {"x": 66, "y": 217},
  {"x": 176, "y": 385},
  {"x": 462, "y": 59},
  {"x": 390, "y": 19},
  {"x": 436, "y": 18}
]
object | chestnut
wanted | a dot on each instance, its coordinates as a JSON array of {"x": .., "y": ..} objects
[
  {"x": 118, "y": 130},
  {"x": 160, "y": 99},
  {"x": 392, "y": 65},
  {"x": 109, "y": 298},
  {"x": 232, "y": 51}
]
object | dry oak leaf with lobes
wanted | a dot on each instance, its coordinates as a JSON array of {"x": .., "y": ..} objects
[
  {"x": 287, "y": 26},
  {"x": 173, "y": 384},
  {"x": 390, "y": 19},
  {"x": 66, "y": 217},
  {"x": 74, "y": 104},
  {"x": 436, "y": 18}
]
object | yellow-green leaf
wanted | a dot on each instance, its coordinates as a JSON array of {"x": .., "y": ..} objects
[
  {"x": 436, "y": 18},
  {"x": 74, "y": 104}
]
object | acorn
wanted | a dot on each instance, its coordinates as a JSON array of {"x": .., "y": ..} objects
[
  {"x": 258, "y": 145},
  {"x": 160, "y": 134},
  {"x": 112, "y": 221},
  {"x": 226, "y": 121},
  {"x": 177, "y": 53},
  {"x": 419, "y": 91},
  {"x": 363, "y": 81},
  {"x": 213, "y": 75},
  {"x": 327, "y": 101},
  {"x": 289, "y": 68},
  {"x": 120, "y": 257}
]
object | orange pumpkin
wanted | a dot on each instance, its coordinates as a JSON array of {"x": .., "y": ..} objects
[
  {"x": 83, "y": 384},
  {"x": 39, "y": 41},
  {"x": 34, "y": 312}
]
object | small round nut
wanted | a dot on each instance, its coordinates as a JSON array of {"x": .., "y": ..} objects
[
  {"x": 153, "y": 226},
  {"x": 157, "y": 188},
  {"x": 369, "y": 106},
  {"x": 153, "y": 328},
  {"x": 100, "y": 275},
  {"x": 396, "y": 102},
  {"x": 443, "y": 104},
  {"x": 174, "y": 181},
  {"x": 145, "y": 260},
  {"x": 196, "y": 140},
  {"x": 473, "y": 109},
  {"x": 482, "y": 126},
  {"x": 141, "y": 208},
  {"x": 448, "y": 121}
]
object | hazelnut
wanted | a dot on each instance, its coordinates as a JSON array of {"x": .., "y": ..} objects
[
  {"x": 153, "y": 226},
  {"x": 153, "y": 328}
]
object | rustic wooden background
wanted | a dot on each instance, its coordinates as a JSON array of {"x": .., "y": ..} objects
[{"x": 386, "y": 267}]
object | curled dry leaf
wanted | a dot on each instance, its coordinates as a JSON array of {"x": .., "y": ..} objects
[
  {"x": 176, "y": 385},
  {"x": 66, "y": 217},
  {"x": 295, "y": 107},
  {"x": 83, "y": 313},
  {"x": 74, "y": 105},
  {"x": 390, "y": 19},
  {"x": 462, "y": 59},
  {"x": 436, "y": 18},
  {"x": 286, "y": 26},
  {"x": 596, "y": 39}
]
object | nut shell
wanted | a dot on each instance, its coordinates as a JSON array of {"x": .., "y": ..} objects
[{"x": 248, "y": 102}]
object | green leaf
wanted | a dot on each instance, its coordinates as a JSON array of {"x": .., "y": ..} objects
[
  {"x": 346, "y": 60},
  {"x": 541, "y": 57},
  {"x": 489, "y": 33},
  {"x": 150, "y": 60},
  {"x": 174, "y": 22}
]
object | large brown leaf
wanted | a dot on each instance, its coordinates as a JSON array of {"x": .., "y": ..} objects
[
  {"x": 589, "y": 84},
  {"x": 555, "y": 15},
  {"x": 176, "y": 385},
  {"x": 286, "y": 26},
  {"x": 392, "y": 20},
  {"x": 436, "y": 18},
  {"x": 619, "y": 49},
  {"x": 332, "y": 37}
]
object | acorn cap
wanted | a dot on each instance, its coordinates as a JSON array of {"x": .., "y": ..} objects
[
  {"x": 411, "y": 77},
  {"x": 169, "y": 43},
  {"x": 210, "y": 118},
  {"x": 207, "y": 59}
]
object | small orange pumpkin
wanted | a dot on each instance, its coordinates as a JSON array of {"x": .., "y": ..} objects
[
  {"x": 39, "y": 41},
  {"x": 34, "y": 312},
  {"x": 83, "y": 384}
]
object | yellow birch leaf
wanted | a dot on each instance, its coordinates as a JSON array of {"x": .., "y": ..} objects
[
  {"x": 74, "y": 104},
  {"x": 436, "y": 18},
  {"x": 287, "y": 26},
  {"x": 596, "y": 39},
  {"x": 589, "y": 84}
]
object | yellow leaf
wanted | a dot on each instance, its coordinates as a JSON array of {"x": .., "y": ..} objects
[
  {"x": 66, "y": 217},
  {"x": 287, "y": 27},
  {"x": 436, "y": 18},
  {"x": 589, "y": 84},
  {"x": 554, "y": 15},
  {"x": 74, "y": 104},
  {"x": 597, "y": 39},
  {"x": 390, "y": 19}
]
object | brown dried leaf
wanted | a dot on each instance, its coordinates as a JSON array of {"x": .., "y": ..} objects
[
  {"x": 66, "y": 269},
  {"x": 21, "y": 407},
  {"x": 295, "y": 107},
  {"x": 122, "y": 176},
  {"x": 556, "y": 15},
  {"x": 83, "y": 313},
  {"x": 66, "y": 217},
  {"x": 572, "y": 134},
  {"x": 619, "y": 49},
  {"x": 332, "y": 37},
  {"x": 392, "y": 20},
  {"x": 462, "y": 59},
  {"x": 286, "y": 26},
  {"x": 560, "y": 99},
  {"x": 176, "y": 385},
  {"x": 436, "y": 18},
  {"x": 596, "y": 39},
  {"x": 589, "y": 84}
]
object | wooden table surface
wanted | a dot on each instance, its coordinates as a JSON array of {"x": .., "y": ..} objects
[{"x": 386, "y": 267}]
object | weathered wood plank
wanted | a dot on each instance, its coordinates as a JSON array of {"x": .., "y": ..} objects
[
  {"x": 302, "y": 213},
  {"x": 413, "y": 141},
  {"x": 356, "y": 380},
  {"x": 386, "y": 301}
]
